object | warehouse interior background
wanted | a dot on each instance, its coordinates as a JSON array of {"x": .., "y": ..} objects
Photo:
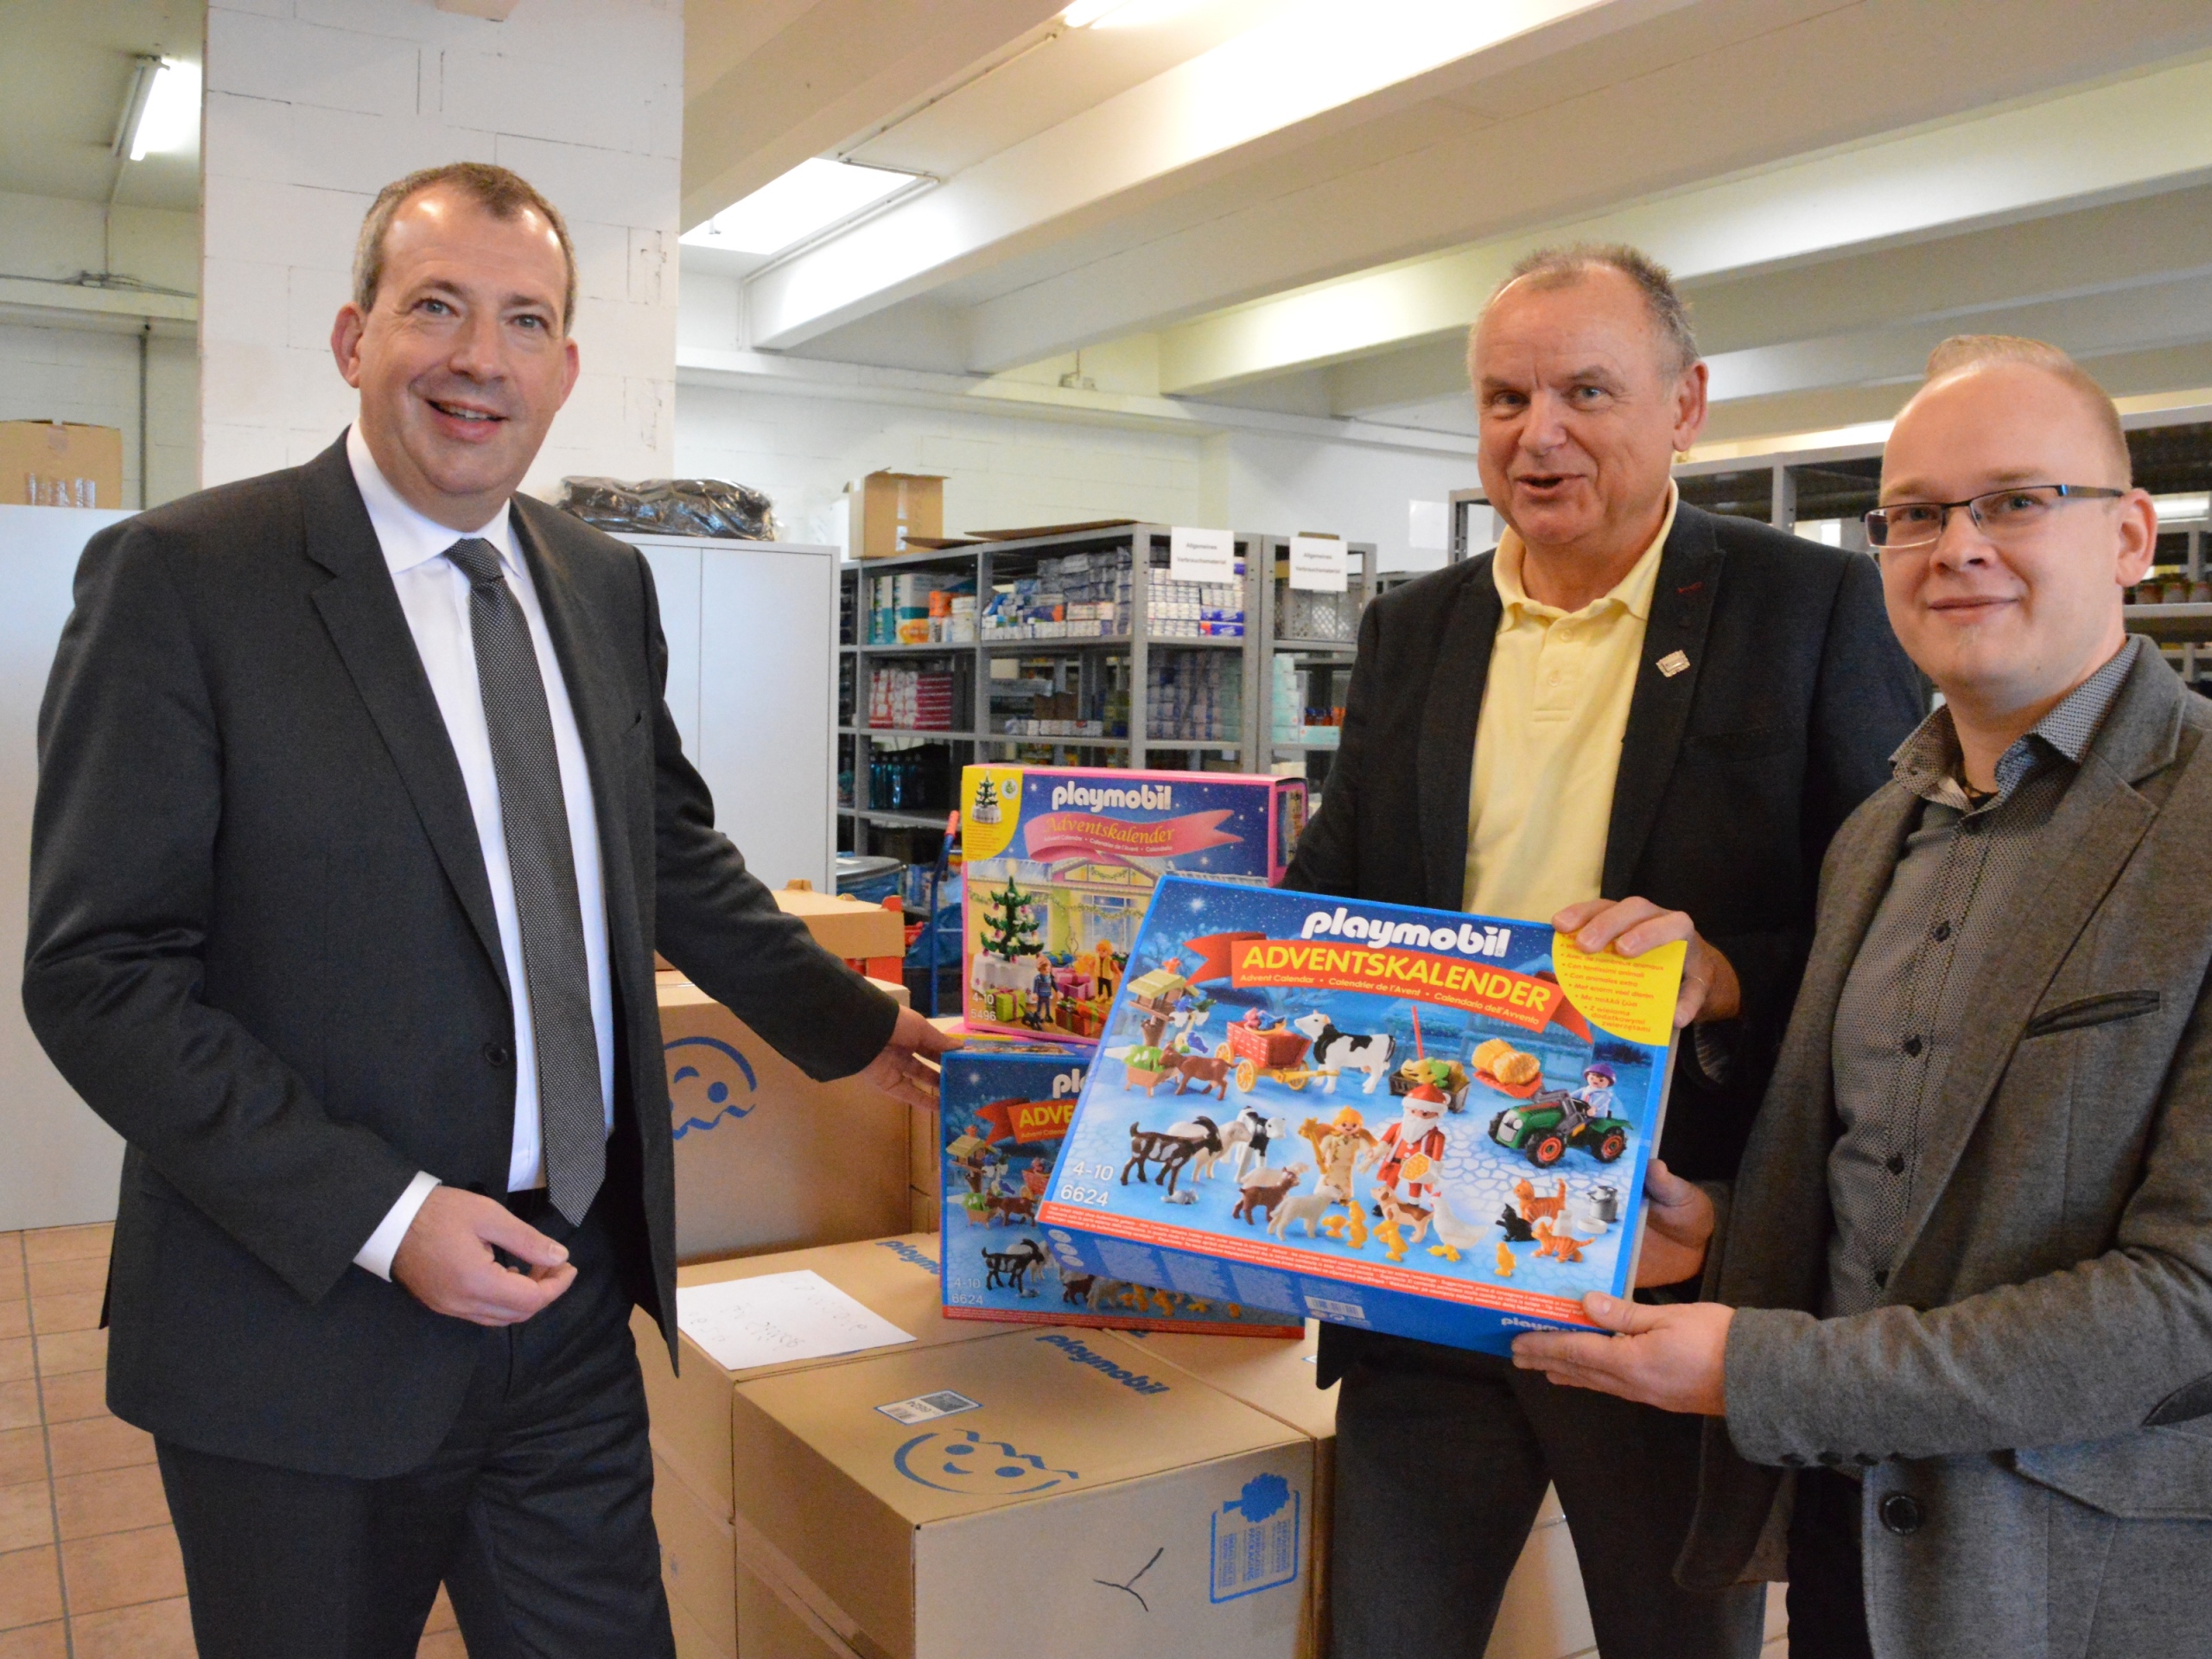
[{"x": 1181, "y": 260}]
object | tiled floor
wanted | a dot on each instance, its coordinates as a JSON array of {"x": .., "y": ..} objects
[{"x": 88, "y": 1562}]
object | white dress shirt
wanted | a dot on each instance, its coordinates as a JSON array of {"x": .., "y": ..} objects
[{"x": 434, "y": 593}]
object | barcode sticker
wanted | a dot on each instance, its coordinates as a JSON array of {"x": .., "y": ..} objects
[{"x": 922, "y": 1408}]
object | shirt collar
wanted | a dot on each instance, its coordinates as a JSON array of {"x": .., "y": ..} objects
[
  {"x": 410, "y": 538},
  {"x": 1928, "y": 762},
  {"x": 1632, "y": 593}
]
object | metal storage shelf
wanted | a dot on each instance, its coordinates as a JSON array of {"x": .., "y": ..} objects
[{"x": 905, "y": 733}]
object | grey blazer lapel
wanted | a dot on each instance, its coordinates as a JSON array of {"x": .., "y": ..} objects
[
  {"x": 1447, "y": 734},
  {"x": 1659, "y": 709},
  {"x": 2098, "y": 824},
  {"x": 360, "y": 609}
]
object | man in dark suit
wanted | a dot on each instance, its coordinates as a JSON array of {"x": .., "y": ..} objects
[
  {"x": 1642, "y": 722},
  {"x": 360, "y": 816}
]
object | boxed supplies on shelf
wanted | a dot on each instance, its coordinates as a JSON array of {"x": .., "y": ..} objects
[
  {"x": 60, "y": 464},
  {"x": 1505, "y": 1158},
  {"x": 1061, "y": 862},
  {"x": 1047, "y": 1492},
  {"x": 1002, "y": 1111}
]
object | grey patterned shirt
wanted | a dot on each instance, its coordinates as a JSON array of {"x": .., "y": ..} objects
[{"x": 1913, "y": 985}]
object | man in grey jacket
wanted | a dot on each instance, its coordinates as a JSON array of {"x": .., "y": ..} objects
[{"x": 1957, "y": 1335}]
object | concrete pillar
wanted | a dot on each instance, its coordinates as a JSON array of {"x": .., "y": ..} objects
[{"x": 312, "y": 106}]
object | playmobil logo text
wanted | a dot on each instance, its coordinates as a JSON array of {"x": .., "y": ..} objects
[
  {"x": 1068, "y": 1083},
  {"x": 1098, "y": 1362},
  {"x": 1467, "y": 939},
  {"x": 1155, "y": 798},
  {"x": 908, "y": 1254}
]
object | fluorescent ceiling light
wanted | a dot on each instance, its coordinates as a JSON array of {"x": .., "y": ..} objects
[
  {"x": 1124, "y": 13},
  {"x": 163, "y": 112},
  {"x": 1084, "y": 13},
  {"x": 805, "y": 201}
]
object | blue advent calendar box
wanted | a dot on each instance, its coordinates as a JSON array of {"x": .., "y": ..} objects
[
  {"x": 1003, "y": 1110},
  {"x": 1418, "y": 1122}
]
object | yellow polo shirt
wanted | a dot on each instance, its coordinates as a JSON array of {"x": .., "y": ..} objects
[{"x": 1547, "y": 747}]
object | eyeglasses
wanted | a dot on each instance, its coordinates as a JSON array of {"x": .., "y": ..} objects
[{"x": 2012, "y": 515}]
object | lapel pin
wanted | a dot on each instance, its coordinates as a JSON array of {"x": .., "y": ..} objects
[{"x": 1672, "y": 663}]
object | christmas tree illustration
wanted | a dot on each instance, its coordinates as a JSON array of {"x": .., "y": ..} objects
[{"x": 1007, "y": 930}]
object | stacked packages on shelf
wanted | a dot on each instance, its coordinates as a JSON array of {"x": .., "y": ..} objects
[
  {"x": 911, "y": 699},
  {"x": 1289, "y": 720},
  {"x": 1196, "y": 695},
  {"x": 1089, "y": 595},
  {"x": 921, "y": 608}
]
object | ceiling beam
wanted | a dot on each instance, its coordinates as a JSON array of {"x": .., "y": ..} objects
[
  {"x": 1314, "y": 65},
  {"x": 2129, "y": 136},
  {"x": 773, "y": 82}
]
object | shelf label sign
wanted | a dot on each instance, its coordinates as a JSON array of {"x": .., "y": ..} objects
[
  {"x": 1316, "y": 563},
  {"x": 1201, "y": 554}
]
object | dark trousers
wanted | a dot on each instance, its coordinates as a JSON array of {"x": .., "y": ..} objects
[
  {"x": 537, "y": 1512},
  {"x": 1442, "y": 1460},
  {"x": 1828, "y": 1585}
]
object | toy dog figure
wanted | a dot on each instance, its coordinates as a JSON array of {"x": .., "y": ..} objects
[
  {"x": 1336, "y": 1052},
  {"x": 1212, "y": 1072},
  {"x": 1410, "y": 1220},
  {"x": 1308, "y": 1207},
  {"x": 1172, "y": 1148},
  {"x": 1266, "y": 1189},
  {"x": 1010, "y": 1269}
]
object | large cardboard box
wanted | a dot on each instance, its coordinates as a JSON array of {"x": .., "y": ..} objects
[
  {"x": 1460, "y": 1110},
  {"x": 895, "y": 1278},
  {"x": 1060, "y": 862},
  {"x": 1048, "y": 1491},
  {"x": 766, "y": 1159},
  {"x": 851, "y": 928},
  {"x": 60, "y": 464},
  {"x": 890, "y": 510}
]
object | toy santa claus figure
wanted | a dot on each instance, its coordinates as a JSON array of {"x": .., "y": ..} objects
[{"x": 1418, "y": 1134}]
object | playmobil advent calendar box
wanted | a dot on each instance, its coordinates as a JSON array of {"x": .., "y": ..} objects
[
  {"x": 1061, "y": 862},
  {"x": 1418, "y": 1122},
  {"x": 1004, "y": 1109}
]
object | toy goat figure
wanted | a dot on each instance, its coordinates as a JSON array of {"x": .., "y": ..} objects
[
  {"x": 1336, "y": 1052},
  {"x": 1011, "y": 1207},
  {"x": 1170, "y": 1148},
  {"x": 1211, "y": 1071},
  {"x": 1010, "y": 1269},
  {"x": 1308, "y": 1207},
  {"x": 1265, "y": 1189}
]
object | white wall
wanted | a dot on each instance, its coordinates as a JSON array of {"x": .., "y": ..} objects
[
  {"x": 1002, "y": 471},
  {"x": 313, "y": 105},
  {"x": 58, "y": 372},
  {"x": 1361, "y": 491}
]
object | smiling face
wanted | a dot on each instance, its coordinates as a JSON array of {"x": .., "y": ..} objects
[
  {"x": 464, "y": 359},
  {"x": 2005, "y": 632},
  {"x": 1581, "y": 412}
]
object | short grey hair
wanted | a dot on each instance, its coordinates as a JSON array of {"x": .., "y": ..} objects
[
  {"x": 499, "y": 192},
  {"x": 1564, "y": 266}
]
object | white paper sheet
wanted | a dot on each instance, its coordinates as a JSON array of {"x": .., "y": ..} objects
[
  {"x": 779, "y": 1318},
  {"x": 1201, "y": 554},
  {"x": 1316, "y": 563}
]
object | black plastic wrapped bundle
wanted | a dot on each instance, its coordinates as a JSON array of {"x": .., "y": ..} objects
[{"x": 671, "y": 506}]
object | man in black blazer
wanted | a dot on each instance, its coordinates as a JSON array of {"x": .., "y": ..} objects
[
  {"x": 360, "y": 816},
  {"x": 1757, "y": 692}
]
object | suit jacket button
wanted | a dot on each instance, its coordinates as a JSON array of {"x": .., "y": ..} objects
[
  {"x": 1900, "y": 1512},
  {"x": 498, "y": 1054}
]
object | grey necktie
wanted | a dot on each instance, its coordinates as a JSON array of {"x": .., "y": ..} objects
[{"x": 534, "y": 813}]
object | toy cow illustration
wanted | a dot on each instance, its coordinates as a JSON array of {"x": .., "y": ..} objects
[
  {"x": 1247, "y": 1137},
  {"x": 1170, "y": 1148},
  {"x": 1010, "y": 1269},
  {"x": 1266, "y": 1189},
  {"x": 1336, "y": 1052}
]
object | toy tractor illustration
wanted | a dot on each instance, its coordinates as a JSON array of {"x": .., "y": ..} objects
[{"x": 1540, "y": 1129}]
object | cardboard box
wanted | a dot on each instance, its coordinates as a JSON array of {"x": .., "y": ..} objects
[
  {"x": 1061, "y": 863},
  {"x": 1042, "y": 1492},
  {"x": 697, "y": 1567},
  {"x": 890, "y": 508},
  {"x": 1527, "y": 1085},
  {"x": 766, "y": 1159},
  {"x": 1004, "y": 1109},
  {"x": 895, "y": 1277},
  {"x": 850, "y": 928},
  {"x": 60, "y": 464},
  {"x": 924, "y": 1209}
]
